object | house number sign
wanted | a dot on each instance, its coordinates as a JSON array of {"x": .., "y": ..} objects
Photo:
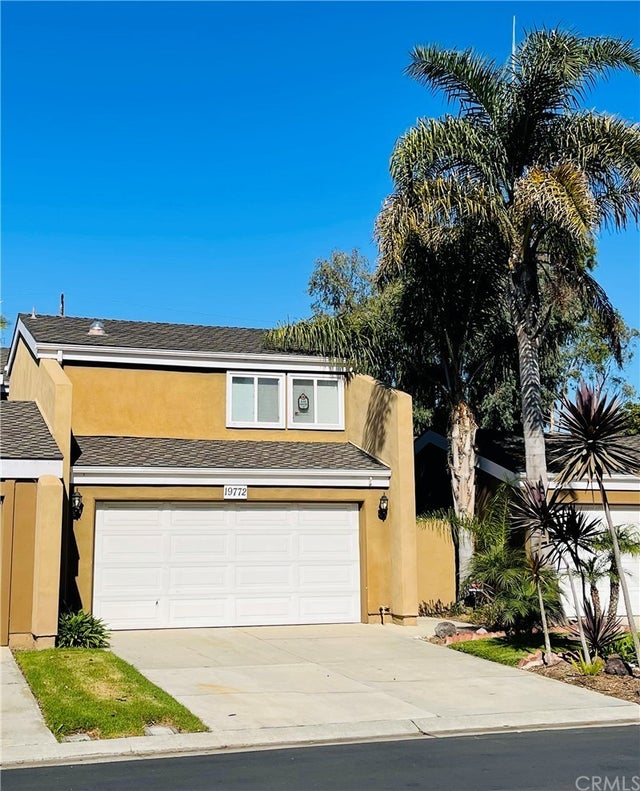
[{"x": 234, "y": 491}]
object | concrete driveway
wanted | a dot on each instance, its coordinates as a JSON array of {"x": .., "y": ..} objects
[{"x": 352, "y": 679}]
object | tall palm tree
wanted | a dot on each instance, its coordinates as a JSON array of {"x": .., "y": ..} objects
[
  {"x": 591, "y": 446},
  {"x": 521, "y": 162}
]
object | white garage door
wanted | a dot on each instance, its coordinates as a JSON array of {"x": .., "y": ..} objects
[
  {"x": 164, "y": 565},
  {"x": 631, "y": 565}
]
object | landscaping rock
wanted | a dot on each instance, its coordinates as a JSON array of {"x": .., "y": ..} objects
[
  {"x": 77, "y": 737},
  {"x": 616, "y": 667},
  {"x": 532, "y": 660},
  {"x": 482, "y": 630},
  {"x": 445, "y": 629}
]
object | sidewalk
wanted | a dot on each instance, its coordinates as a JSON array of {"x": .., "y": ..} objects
[{"x": 276, "y": 686}]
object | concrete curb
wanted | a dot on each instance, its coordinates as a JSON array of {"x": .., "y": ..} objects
[{"x": 141, "y": 747}]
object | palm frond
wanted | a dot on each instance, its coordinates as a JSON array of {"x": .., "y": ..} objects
[
  {"x": 592, "y": 439},
  {"x": 465, "y": 78}
]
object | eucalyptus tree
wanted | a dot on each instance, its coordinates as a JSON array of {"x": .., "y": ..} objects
[{"x": 523, "y": 163}]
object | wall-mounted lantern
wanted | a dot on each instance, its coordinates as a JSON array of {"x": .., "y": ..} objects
[
  {"x": 383, "y": 507},
  {"x": 77, "y": 506}
]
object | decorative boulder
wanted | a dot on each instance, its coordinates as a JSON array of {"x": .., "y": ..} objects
[
  {"x": 445, "y": 629},
  {"x": 616, "y": 667}
]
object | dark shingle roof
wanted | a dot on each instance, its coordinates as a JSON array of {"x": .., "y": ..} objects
[
  {"x": 508, "y": 450},
  {"x": 222, "y": 454},
  {"x": 146, "y": 335},
  {"x": 24, "y": 434},
  {"x": 4, "y": 357}
]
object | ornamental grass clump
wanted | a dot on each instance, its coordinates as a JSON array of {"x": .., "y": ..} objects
[{"x": 82, "y": 630}]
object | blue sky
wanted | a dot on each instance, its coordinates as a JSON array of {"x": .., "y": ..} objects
[{"x": 189, "y": 161}]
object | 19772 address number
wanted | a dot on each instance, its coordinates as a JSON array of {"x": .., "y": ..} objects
[{"x": 234, "y": 492}]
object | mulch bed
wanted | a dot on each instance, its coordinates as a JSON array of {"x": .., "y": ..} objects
[{"x": 623, "y": 687}]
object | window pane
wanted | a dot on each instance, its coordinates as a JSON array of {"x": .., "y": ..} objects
[
  {"x": 303, "y": 406},
  {"x": 242, "y": 399},
  {"x": 328, "y": 411},
  {"x": 268, "y": 400}
]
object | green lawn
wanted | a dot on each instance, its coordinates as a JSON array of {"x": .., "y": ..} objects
[
  {"x": 82, "y": 690},
  {"x": 509, "y": 651}
]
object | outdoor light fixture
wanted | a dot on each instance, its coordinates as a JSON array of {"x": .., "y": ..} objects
[
  {"x": 383, "y": 507},
  {"x": 77, "y": 506}
]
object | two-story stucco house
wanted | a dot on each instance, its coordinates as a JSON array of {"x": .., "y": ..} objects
[{"x": 167, "y": 476}]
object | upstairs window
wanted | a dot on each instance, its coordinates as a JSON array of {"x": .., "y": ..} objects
[
  {"x": 255, "y": 400},
  {"x": 316, "y": 402}
]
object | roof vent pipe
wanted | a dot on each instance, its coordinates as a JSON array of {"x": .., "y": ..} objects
[{"x": 96, "y": 328}]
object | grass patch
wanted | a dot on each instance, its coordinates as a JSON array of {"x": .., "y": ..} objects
[
  {"x": 510, "y": 650},
  {"x": 88, "y": 690}
]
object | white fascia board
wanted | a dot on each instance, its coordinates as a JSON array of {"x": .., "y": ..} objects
[
  {"x": 20, "y": 469},
  {"x": 20, "y": 331},
  {"x": 181, "y": 476},
  {"x": 612, "y": 483},
  {"x": 187, "y": 359}
]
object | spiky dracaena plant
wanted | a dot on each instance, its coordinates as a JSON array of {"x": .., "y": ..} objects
[
  {"x": 591, "y": 446},
  {"x": 566, "y": 533}
]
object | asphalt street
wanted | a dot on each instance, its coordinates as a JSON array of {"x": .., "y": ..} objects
[{"x": 589, "y": 759}]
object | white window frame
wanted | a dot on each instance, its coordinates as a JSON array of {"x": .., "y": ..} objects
[
  {"x": 339, "y": 426},
  {"x": 255, "y": 375}
]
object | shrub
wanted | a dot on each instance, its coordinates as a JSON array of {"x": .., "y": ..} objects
[
  {"x": 81, "y": 630},
  {"x": 623, "y": 646},
  {"x": 508, "y": 598}
]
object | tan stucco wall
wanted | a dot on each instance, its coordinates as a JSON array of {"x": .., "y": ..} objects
[
  {"x": 22, "y": 522},
  {"x": 45, "y": 382},
  {"x": 619, "y": 498},
  {"x": 374, "y": 535},
  {"x": 31, "y": 527},
  {"x": 46, "y": 571},
  {"x": 154, "y": 403},
  {"x": 7, "y": 491},
  {"x": 381, "y": 423},
  {"x": 436, "y": 563}
]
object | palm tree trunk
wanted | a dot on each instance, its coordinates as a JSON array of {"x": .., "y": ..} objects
[
  {"x": 461, "y": 459},
  {"x": 578, "y": 609},
  {"x": 531, "y": 402},
  {"x": 595, "y": 598},
  {"x": 545, "y": 625},
  {"x": 614, "y": 597},
  {"x": 623, "y": 582}
]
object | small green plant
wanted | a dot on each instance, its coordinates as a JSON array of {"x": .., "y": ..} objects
[
  {"x": 592, "y": 668},
  {"x": 82, "y": 630},
  {"x": 623, "y": 646}
]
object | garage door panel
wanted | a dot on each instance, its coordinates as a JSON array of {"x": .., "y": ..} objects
[
  {"x": 200, "y": 545},
  {"x": 198, "y": 515},
  {"x": 263, "y": 544},
  {"x": 328, "y": 577},
  {"x": 165, "y": 565},
  {"x": 319, "y": 609},
  {"x": 195, "y": 611},
  {"x": 120, "y": 547},
  {"x": 267, "y": 576},
  {"x": 329, "y": 545},
  {"x": 131, "y": 577},
  {"x": 199, "y": 579},
  {"x": 139, "y": 515}
]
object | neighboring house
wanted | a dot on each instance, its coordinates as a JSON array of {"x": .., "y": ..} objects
[
  {"x": 221, "y": 483},
  {"x": 4, "y": 380},
  {"x": 501, "y": 459}
]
